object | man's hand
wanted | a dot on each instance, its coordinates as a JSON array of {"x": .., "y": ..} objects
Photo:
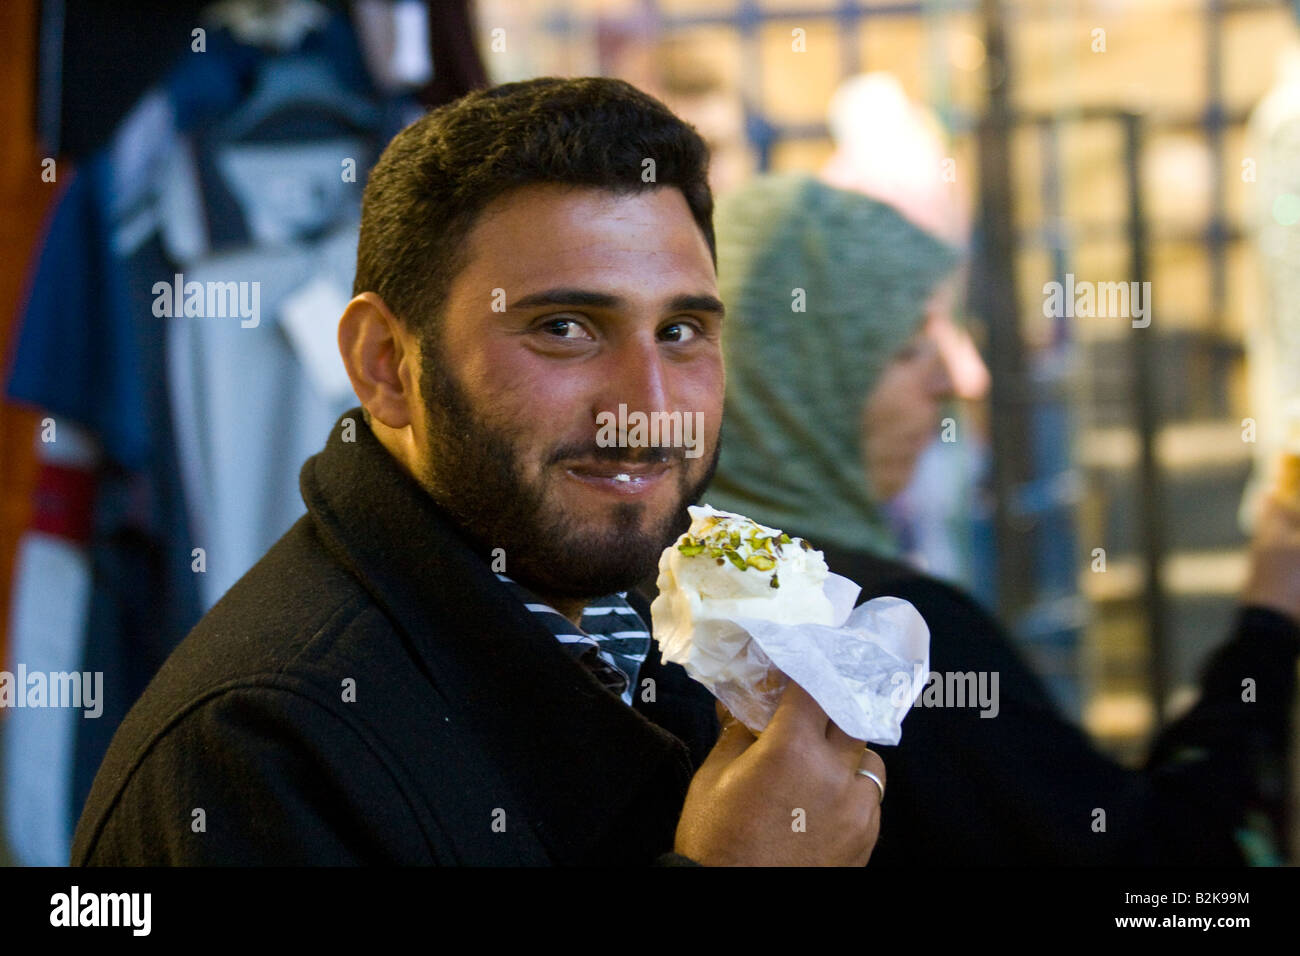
[
  {"x": 788, "y": 798},
  {"x": 1274, "y": 580}
]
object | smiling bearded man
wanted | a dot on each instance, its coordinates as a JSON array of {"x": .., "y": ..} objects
[
  {"x": 476, "y": 469},
  {"x": 442, "y": 661}
]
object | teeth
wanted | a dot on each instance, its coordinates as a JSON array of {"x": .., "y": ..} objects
[{"x": 623, "y": 477}]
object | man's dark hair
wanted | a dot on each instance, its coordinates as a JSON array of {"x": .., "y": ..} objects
[{"x": 438, "y": 174}]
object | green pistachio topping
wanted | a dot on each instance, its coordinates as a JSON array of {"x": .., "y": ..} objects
[{"x": 746, "y": 546}]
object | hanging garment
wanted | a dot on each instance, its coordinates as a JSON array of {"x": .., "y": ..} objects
[
  {"x": 261, "y": 231},
  {"x": 46, "y": 629},
  {"x": 195, "y": 421}
]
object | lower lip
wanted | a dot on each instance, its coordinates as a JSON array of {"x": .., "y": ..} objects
[{"x": 636, "y": 486}]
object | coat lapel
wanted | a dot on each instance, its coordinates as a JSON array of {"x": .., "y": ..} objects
[{"x": 593, "y": 779}]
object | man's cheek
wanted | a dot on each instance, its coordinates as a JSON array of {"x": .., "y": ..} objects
[
  {"x": 711, "y": 422},
  {"x": 535, "y": 467}
]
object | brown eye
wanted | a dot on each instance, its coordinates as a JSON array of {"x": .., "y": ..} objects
[
  {"x": 679, "y": 332},
  {"x": 564, "y": 329}
]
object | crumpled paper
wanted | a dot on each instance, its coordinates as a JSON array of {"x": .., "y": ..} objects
[{"x": 861, "y": 671}]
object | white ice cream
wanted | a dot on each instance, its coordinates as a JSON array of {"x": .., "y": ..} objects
[{"x": 727, "y": 566}]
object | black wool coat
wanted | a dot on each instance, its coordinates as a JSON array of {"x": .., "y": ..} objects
[{"x": 369, "y": 692}]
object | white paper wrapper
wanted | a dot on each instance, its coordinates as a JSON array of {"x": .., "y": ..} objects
[{"x": 861, "y": 671}]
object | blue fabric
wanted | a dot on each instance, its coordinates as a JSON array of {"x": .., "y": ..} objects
[
  {"x": 90, "y": 350},
  {"x": 208, "y": 85},
  {"x": 76, "y": 356}
]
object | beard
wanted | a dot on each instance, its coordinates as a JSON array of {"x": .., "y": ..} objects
[{"x": 474, "y": 470}]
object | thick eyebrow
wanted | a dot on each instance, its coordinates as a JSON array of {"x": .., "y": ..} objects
[{"x": 603, "y": 300}]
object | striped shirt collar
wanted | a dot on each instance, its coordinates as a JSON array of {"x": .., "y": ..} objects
[{"x": 612, "y": 642}]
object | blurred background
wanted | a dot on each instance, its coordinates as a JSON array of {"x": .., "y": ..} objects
[{"x": 1098, "y": 498}]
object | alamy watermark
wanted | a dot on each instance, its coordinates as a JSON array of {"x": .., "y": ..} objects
[
  {"x": 947, "y": 689},
  {"x": 82, "y": 689},
  {"x": 651, "y": 430},
  {"x": 214, "y": 300},
  {"x": 129, "y": 910},
  {"x": 1098, "y": 300}
]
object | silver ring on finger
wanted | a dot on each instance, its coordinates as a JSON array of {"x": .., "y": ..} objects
[
  {"x": 874, "y": 779},
  {"x": 880, "y": 784}
]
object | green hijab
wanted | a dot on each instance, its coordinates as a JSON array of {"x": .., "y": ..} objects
[{"x": 797, "y": 380}]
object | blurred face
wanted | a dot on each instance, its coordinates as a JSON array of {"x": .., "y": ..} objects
[
  {"x": 601, "y": 300},
  {"x": 901, "y": 415}
]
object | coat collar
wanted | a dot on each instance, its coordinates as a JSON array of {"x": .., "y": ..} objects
[{"x": 577, "y": 758}]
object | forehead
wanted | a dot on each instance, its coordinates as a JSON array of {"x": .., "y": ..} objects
[{"x": 549, "y": 234}]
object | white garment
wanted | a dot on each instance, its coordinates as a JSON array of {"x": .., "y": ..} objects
[
  {"x": 247, "y": 409},
  {"x": 47, "y": 633}
]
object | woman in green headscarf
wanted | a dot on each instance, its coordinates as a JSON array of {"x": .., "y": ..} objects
[
  {"x": 826, "y": 293},
  {"x": 833, "y": 389}
]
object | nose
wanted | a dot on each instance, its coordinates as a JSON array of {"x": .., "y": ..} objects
[
  {"x": 964, "y": 374},
  {"x": 636, "y": 377}
]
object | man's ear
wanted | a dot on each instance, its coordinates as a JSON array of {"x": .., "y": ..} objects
[{"x": 380, "y": 356}]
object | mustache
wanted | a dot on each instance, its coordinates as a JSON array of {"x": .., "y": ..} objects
[{"x": 590, "y": 451}]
